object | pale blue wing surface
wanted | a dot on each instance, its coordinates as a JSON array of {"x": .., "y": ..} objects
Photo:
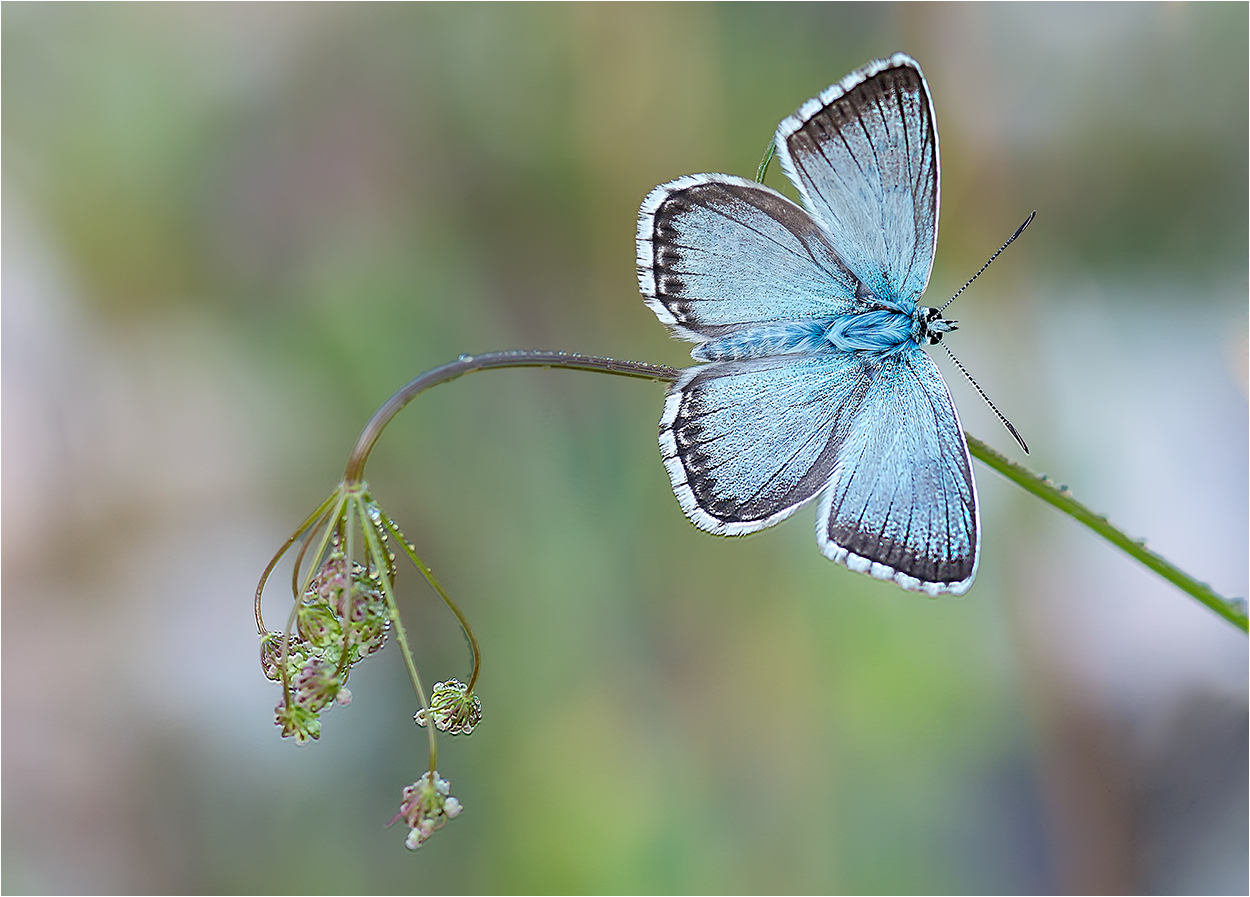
[
  {"x": 901, "y": 503},
  {"x": 864, "y": 156},
  {"x": 718, "y": 253},
  {"x": 747, "y": 442}
]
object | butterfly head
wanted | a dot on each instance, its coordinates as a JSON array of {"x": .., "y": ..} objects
[{"x": 932, "y": 325}]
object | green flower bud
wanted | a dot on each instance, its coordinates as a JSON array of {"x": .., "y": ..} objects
[
  {"x": 271, "y": 655},
  {"x": 365, "y": 616},
  {"x": 297, "y": 722},
  {"x": 317, "y": 624},
  {"x": 452, "y": 708}
]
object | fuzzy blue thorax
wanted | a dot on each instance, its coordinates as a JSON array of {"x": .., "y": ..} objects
[{"x": 879, "y": 332}]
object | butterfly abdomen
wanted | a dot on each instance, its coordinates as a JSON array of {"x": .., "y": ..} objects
[{"x": 764, "y": 339}]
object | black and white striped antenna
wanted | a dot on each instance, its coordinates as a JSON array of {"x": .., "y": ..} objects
[
  {"x": 1006, "y": 423},
  {"x": 1010, "y": 240}
]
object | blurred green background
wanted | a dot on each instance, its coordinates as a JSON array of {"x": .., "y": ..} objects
[{"x": 230, "y": 231}]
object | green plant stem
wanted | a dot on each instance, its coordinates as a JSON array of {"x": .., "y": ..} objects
[
  {"x": 1038, "y": 485},
  {"x": 286, "y": 546},
  {"x": 437, "y": 586},
  {"x": 374, "y": 541},
  {"x": 1059, "y": 496}
]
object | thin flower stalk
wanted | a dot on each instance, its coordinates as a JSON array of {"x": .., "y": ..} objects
[
  {"x": 442, "y": 593},
  {"x": 372, "y": 536}
]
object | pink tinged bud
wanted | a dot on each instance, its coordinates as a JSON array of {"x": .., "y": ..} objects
[
  {"x": 426, "y": 807},
  {"x": 271, "y": 648},
  {"x": 317, "y": 624},
  {"x": 344, "y": 697},
  {"x": 316, "y": 685},
  {"x": 367, "y": 619}
]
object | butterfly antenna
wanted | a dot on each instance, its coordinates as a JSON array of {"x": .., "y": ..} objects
[
  {"x": 993, "y": 407},
  {"x": 1012, "y": 239}
]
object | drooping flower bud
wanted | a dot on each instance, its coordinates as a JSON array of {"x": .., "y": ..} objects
[
  {"x": 318, "y": 624},
  {"x": 271, "y": 648},
  {"x": 365, "y": 614},
  {"x": 425, "y": 808},
  {"x": 452, "y": 708},
  {"x": 316, "y": 685},
  {"x": 297, "y": 722},
  {"x": 331, "y": 578}
]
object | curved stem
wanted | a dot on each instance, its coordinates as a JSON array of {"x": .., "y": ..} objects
[
  {"x": 309, "y": 535},
  {"x": 286, "y": 546},
  {"x": 467, "y": 364},
  {"x": 442, "y": 593},
  {"x": 1043, "y": 488}
]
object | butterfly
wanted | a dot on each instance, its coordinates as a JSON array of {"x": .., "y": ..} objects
[{"x": 812, "y": 382}]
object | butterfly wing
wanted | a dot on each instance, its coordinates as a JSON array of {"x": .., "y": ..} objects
[
  {"x": 901, "y": 503},
  {"x": 746, "y": 443},
  {"x": 864, "y": 156},
  {"x": 718, "y": 253}
]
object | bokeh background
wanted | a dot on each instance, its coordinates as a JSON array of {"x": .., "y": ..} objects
[{"x": 230, "y": 231}]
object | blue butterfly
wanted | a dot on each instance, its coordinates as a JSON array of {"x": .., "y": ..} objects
[{"x": 808, "y": 327}]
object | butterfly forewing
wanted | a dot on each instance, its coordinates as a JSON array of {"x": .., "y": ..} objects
[
  {"x": 717, "y": 253},
  {"x": 901, "y": 503},
  {"x": 864, "y": 156}
]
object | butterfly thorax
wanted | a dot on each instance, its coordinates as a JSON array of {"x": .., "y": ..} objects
[{"x": 878, "y": 331}]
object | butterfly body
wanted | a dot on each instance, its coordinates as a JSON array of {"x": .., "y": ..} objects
[
  {"x": 879, "y": 331},
  {"x": 813, "y": 384}
]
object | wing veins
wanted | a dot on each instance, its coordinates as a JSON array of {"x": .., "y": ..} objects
[
  {"x": 773, "y": 240},
  {"x": 813, "y": 181},
  {"x": 914, "y": 173},
  {"x": 950, "y": 546},
  {"x": 917, "y": 178},
  {"x": 876, "y": 158},
  {"x": 781, "y": 467}
]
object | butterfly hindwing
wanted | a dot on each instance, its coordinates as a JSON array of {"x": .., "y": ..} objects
[
  {"x": 901, "y": 503},
  {"x": 748, "y": 442},
  {"x": 864, "y": 155}
]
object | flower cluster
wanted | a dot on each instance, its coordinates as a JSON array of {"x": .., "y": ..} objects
[
  {"x": 426, "y": 807},
  {"x": 341, "y": 616},
  {"x": 341, "y": 619}
]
